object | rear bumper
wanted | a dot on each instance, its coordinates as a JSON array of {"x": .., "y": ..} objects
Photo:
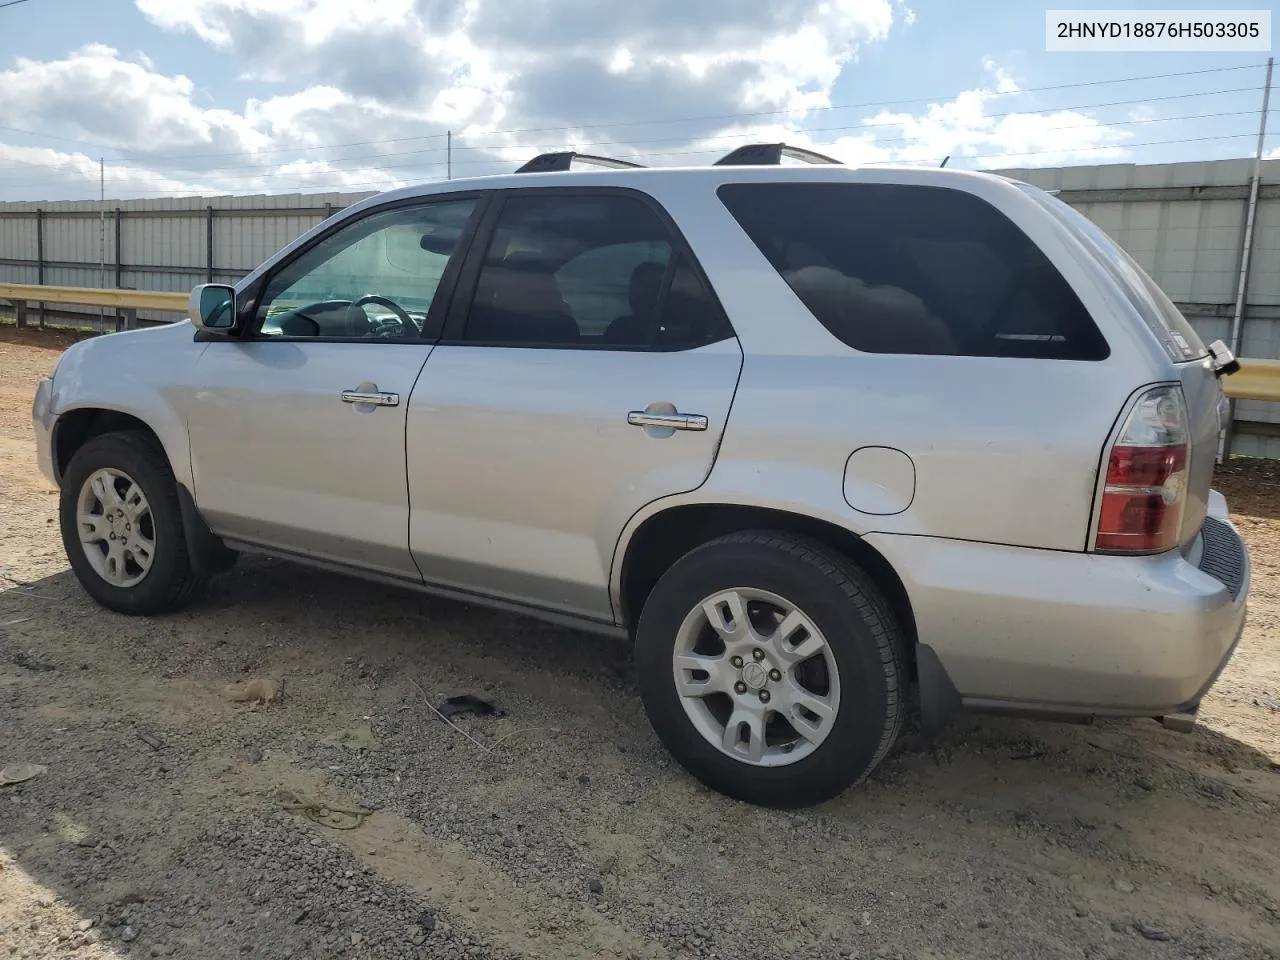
[
  {"x": 1074, "y": 633},
  {"x": 42, "y": 419}
]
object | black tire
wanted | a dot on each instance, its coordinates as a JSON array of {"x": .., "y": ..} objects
[
  {"x": 170, "y": 583},
  {"x": 865, "y": 641}
]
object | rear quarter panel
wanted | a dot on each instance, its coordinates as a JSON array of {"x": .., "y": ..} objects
[{"x": 1005, "y": 450}]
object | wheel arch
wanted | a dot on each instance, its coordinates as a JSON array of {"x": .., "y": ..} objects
[
  {"x": 666, "y": 535},
  {"x": 76, "y": 427}
]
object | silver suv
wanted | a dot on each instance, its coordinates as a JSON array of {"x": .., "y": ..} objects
[{"x": 824, "y": 443}]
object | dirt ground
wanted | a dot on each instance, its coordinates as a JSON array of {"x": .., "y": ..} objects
[{"x": 168, "y": 820}]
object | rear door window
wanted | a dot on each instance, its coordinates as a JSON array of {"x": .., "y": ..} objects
[
  {"x": 598, "y": 288},
  {"x": 589, "y": 270},
  {"x": 891, "y": 268}
]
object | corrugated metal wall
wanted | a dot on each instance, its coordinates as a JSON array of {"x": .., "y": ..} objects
[
  {"x": 162, "y": 244},
  {"x": 1183, "y": 222}
]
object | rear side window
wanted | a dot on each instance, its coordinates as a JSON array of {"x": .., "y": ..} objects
[{"x": 888, "y": 268}]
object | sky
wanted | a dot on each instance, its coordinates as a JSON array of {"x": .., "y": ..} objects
[{"x": 181, "y": 97}]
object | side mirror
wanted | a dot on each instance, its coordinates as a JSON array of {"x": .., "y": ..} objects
[{"x": 213, "y": 308}]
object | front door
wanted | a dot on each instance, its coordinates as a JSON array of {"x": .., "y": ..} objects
[
  {"x": 298, "y": 428},
  {"x": 585, "y": 370}
]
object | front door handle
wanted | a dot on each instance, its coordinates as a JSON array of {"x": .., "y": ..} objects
[
  {"x": 674, "y": 421},
  {"x": 374, "y": 397}
]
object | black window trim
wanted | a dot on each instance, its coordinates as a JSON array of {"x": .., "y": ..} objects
[
  {"x": 1094, "y": 332},
  {"x": 463, "y": 292},
  {"x": 248, "y": 309}
]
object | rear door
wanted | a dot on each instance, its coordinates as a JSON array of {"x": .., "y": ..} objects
[{"x": 586, "y": 369}]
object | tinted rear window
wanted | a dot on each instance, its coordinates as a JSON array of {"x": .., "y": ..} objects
[
  {"x": 1160, "y": 313},
  {"x": 909, "y": 269}
]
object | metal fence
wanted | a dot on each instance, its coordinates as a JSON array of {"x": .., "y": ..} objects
[
  {"x": 167, "y": 245},
  {"x": 1185, "y": 223}
]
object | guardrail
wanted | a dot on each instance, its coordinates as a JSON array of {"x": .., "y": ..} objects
[
  {"x": 126, "y": 302},
  {"x": 1255, "y": 380}
]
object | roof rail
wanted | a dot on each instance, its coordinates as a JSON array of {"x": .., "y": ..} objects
[
  {"x": 552, "y": 162},
  {"x": 770, "y": 153}
]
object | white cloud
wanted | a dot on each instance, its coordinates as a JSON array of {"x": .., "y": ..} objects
[
  {"x": 367, "y": 91},
  {"x": 1004, "y": 82},
  {"x": 717, "y": 55},
  {"x": 315, "y": 20},
  {"x": 966, "y": 128},
  {"x": 622, "y": 61},
  {"x": 44, "y": 173},
  {"x": 119, "y": 102}
]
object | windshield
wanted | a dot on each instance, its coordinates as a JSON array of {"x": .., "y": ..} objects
[{"x": 1166, "y": 321}]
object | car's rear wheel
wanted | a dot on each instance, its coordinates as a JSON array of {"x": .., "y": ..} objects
[
  {"x": 122, "y": 526},
  {"x": 771, "y": 668}
]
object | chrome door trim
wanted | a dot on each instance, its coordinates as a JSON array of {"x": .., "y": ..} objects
[
  {"x": 377, "y": 399},
  {"x": 674, "y": 421}
]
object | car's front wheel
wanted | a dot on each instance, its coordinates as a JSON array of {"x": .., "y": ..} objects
[
  {"x": 771, "y": 668},
  {"x": 122, "y": 526}
]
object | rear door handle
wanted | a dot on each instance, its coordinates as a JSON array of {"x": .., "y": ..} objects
[
  {"x": 375, "y": 397},
  {"x": 675, "y": 421}
]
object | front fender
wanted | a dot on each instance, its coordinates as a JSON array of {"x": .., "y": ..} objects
[{"x": 145, "y": 374}]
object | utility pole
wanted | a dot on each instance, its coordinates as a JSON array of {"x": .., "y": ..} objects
[
  {"x": 102, "y": 230},
  {"x": 1246, "y": 251},
  {"x": 449, "y": 154}
]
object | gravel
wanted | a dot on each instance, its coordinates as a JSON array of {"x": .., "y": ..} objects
[{"x": 160, "y": 829}]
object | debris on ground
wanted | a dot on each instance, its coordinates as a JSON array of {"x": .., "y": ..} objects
[
  {"x": 357, "y": 738},
  {"x": 20, "y": 772},
  {"x": 469, "y": 704},
  {"x": 1150, "y": 932},
  {"x": 443, "y": 716},
  {"x": 26, "y": 661},
  {"x": 150, "y": 739},
  {"x": 258, "y": 691},
  {"x": 320, "y": 811},
  {"x": 72, "y": 831}
]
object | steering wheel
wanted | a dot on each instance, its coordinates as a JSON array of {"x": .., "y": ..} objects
[{"x": 407, "y": 327}]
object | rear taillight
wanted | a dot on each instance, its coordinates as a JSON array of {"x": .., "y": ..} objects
[{"x": 1146, "y": 485}]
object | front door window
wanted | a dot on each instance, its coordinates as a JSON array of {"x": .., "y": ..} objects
[{"x": 375, "y": 278}]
